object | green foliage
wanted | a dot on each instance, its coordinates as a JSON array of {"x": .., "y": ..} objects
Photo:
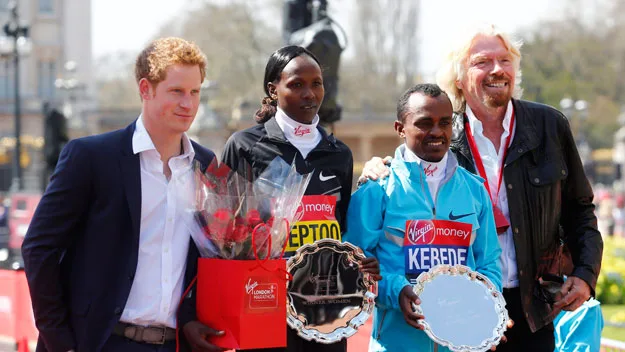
[
  {"x": 579, "y": 58},
  {"x": 237, "y": 39},
  {"x": 613, "y": 314},
  {"x": 610, "y": 287}
]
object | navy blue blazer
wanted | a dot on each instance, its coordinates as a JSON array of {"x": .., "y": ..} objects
[{"x": 81, "y": 248}]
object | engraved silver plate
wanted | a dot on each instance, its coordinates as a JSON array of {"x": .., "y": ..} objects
[
  {"x": 328, "y": 298},
  {"x": 463, "y": 310}
]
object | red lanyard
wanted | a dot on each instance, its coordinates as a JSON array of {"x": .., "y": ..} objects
[{"x": 478, "y": 158}]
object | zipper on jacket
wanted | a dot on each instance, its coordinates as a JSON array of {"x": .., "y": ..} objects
[
  {"x": 440, "y": 186},
  {"x": 377, "y": 337},
  {"x": 430, "y": 200},
  {"x": 435, "y": 200}
]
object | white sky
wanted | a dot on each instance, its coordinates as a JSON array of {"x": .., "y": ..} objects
[{"x": 127, "y": 25}]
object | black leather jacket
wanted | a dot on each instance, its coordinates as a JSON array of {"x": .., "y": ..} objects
[{"x": 549, "y": 198}]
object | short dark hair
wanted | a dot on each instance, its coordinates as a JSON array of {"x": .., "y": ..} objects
[
  {"x": 427, "y": 89},
  {"x": 276, "y": 63}
]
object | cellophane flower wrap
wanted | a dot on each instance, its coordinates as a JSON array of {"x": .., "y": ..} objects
[{"x": 236, "y": 218}]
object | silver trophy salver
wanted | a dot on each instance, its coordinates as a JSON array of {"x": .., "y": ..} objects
[
  {"x": 329, "y": 298},
  {"x": 463, "y": 310}
]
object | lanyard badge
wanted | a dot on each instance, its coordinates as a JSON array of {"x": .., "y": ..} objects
[{"x": 501, "y": 223}]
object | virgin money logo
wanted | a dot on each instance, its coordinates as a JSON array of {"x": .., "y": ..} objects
[
  {"x": 429, "y": 171},
  {"x": 421, "y": 232},
  {"x": 299, "y": 212},
  {"x": 301, "y": 131},
  {"x": 250, "y": 286}
]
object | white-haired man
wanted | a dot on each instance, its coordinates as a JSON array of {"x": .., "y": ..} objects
[{"x": 541, "y": 197}]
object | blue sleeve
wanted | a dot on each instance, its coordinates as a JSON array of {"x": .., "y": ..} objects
[
  {"x": 486, "y": 249},
  {"x": 365, "y": 229}
]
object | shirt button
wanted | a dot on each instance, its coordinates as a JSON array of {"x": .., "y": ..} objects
[
  {"x": 563, "y": 172},
  {"x": 166, "y": 250},
  {"x": 520, "y": 150},
  {"x": 516, "y": 230},
  {"x": 521, "y": 272},
  {"x": 536, "y": 180},
  {"x": 509, "y": 185}
]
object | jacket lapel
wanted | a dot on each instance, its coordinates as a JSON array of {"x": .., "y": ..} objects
[
  {"x": 525, "y": 138},
  {"x": 460, "y": 144},
  {"x": 131, "y": 177},
  {"x": 525, "y": 134}
]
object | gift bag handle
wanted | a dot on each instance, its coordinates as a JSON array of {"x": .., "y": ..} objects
[{"x": 261, "y": 262}]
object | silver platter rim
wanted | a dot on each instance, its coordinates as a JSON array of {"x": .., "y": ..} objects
[
  {"x": 353, "y": 324},
  {"x": 474, "y": 276}
]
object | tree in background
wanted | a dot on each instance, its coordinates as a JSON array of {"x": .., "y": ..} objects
[
  {"x": 580, "y": 57},
  {"x": 385, "y": 56},
  {"x": 115, "y": 82},
  {"x": 236, "y": 38}
]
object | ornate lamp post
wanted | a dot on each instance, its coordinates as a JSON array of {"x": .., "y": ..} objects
[{"x": 15, "y": 44}]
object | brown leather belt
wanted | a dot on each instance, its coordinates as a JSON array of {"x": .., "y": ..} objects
[{"x": 156, "y": 335}]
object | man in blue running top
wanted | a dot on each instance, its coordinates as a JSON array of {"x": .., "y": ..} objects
[{"x": 429, "y": 211}]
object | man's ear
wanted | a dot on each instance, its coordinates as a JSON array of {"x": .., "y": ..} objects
[
  {"x": 146, "y": 90},
  {"x": 399, "y": 128},
  {"x": 272, "y": 91}
]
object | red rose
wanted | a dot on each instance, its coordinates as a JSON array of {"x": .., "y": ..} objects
[
  {"x": 222, "y": 214},
  {"x": 253, "y": 218},
  {"x": 239, "y": 234},
  {"x": 221, "y": 224},
  {"x": 239, "y": 221}
]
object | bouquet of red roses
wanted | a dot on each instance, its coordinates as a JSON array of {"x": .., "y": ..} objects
[
  {"x": 241, "y": 228},
  {"x": 236, "y": 218}
]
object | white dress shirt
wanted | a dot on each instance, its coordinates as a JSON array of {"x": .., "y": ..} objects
[
  {"x": 163, "y": 234},
  {"x": 492, "y": 160},
  {"x": 434, "y": 172},
  {"x": 304, "y": 137}
]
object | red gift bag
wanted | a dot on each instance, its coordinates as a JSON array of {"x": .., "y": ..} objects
[{"x": 244, "y": 298}]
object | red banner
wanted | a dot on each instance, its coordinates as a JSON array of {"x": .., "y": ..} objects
[
  {"x": 7, "y": 303},
  {"x": 16, "y": 315}
]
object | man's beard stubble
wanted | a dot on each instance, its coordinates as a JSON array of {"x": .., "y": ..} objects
[{"x": 497, "y": 100}]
